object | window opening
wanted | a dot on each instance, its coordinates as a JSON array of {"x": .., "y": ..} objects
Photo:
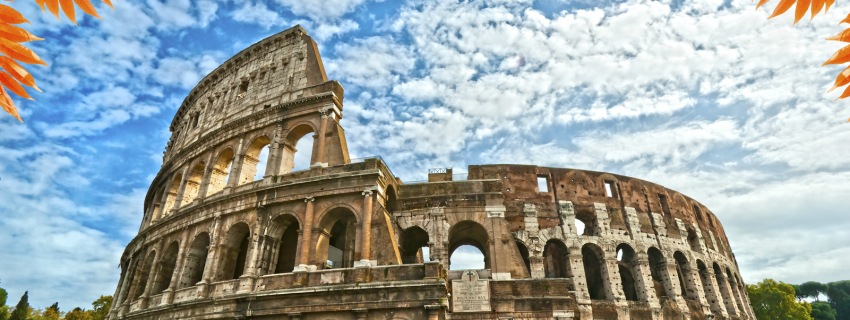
[
  {"x": 542, "y": 184},
  {"x": 665, "y": 206},
  {"x": 466, "y": 257},
  {"x": 610, "y": 189}
]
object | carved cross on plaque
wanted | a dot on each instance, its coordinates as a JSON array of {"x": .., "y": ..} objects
[{"x": 469, "y": 273}]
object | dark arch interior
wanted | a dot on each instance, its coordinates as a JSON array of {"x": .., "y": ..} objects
[
  {"x": 413, "y": 239},
  {"x": 555, "y": 260},
  {"x": 338, "y": 241},
  {"x": 286, "y": 235},
  {"x": 235, "y": 252},
  {"x": 625, "y": 261},
  {"x": 684, "y": 271},
  {"x": 592, "y": 261},
  {"x": 523, "y": 253},
  {"x": 196, "y": 260},
  {"x": 657, "y": 268},
  {"x": 166, "y": 268}
]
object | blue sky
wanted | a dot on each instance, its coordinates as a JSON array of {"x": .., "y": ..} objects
[{"x": 705, "y": 97}]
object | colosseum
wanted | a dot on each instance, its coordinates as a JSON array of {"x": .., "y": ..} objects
[{"x": 232, "y": 232}]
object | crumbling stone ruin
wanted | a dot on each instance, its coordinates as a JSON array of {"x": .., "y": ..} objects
[{"x": 344, "y": 239}]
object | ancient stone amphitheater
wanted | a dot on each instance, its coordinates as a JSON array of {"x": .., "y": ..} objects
[{"x": 346, "y": 239}]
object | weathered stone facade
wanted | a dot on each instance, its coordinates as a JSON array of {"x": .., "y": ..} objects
[{"x": 557, "y": 243}]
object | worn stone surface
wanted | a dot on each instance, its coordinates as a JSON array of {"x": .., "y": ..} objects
[{"x": 343, "y": 239}]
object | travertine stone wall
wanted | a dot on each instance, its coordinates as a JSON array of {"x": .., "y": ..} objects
[{"x": 345, "y": 239}]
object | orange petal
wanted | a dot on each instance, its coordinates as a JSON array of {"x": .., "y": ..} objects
[
  {"x": 8, "y": 105},
  {"x": 10, "y": 15},
  {"x": 53, "y": 6},
  {"x": 802, "y": 7},
  {"x": 817, "y": 6},
  {"x": 17, "y": 71},
  {"x": 783, "y": 6},
  {"x": 19, "y": 52},
  {"x": 109, "y": 3},
  {"x": 844, "y": 94},
  {"x": 87, "y": 7},
  {"x": 68, "y": 8},
  {"x": 761, "y": 3},
  {"x": 40, "y": 3},
  {"x": 829, "y": 4},
  {"x": 846, "y": 19},
  {"x": 842, "y": 79},
  {"x": 841, "y": 36},
  {"x": 16, "y": 34},
  {"x": 13, "y": 85}
]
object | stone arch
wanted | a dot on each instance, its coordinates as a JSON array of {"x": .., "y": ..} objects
[
  {"x": 736, "y": 293},
  {"x": 251, "y": 159},
  {"x": 658, "y": 272},
  {"x": 142, "y": 274},
  {"x": 171, "y": 194},
  {"x": 693, "y": 238},
  {"x": 468, "y": 232},
  {"x": 234, "y": 251},
  {"x": 523, "y": 254},
  {"x": 335, "y": 244},
  {"x": 686, "y": 281},
  {"x": 193, "y": 183},
  {"x": 411, "y": 242},
  {"x": 284, "y": 234},
  {"x": 196, "y": 260},
  {"x": 710, "y": 295},
  {"x": 220, "y": 171},
  {"x": 165, "y": 267},
  {"x": 723, "y": 286},
  {"x": 626, "y": 262},
  {"x": 392, "y": 200},
  {"x": 593, "y": 258},
  {"x": 556, "y": 262},
  {"x": 586, "y": 223},
  {"x": 293, "y": 136},
  {"x": 157, "y": 205}
]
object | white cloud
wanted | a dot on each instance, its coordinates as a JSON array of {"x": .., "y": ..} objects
[
  {"x": 321, "y": 11},
  {"x": 257, "y": 13}
]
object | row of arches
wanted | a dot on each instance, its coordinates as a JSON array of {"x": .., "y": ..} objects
[
  {"x": 227, "y": 168},
  {"x": 243, "y": 250}
]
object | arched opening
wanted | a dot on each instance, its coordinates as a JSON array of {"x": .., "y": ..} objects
[
  {"x": 585, "y": 223},
  {"x": 705, "y": 278},
  {"x": 658, "y": 270},
  {"x": 724, "y": 288},
  {"x": 297, "y": 150},
  {"x": 733, "y": 284},
  {"x": 392, "y": 200},
  {"x": 555, "y": 259},
  {"x": 234, "y": 252},
  {"x": 474, "y": 238},
  {"x": 523, "y": 253},
  {"x": 166, "y": 268},
  {"x": 196, "y": 260},
  {"x": 255, "y": 160},
  {"x": 336, "y": 241},
  {"x": 285, "y": 238},
  {"x": 157, "y": 206},
  {"x": 412, "y": 242},
  {"x": 591, "y": 257},
  {"x": 693, "y": 239},
  {"x": 193, "y": 183},
  {"x": 142, "y": 275},
  {"x": 625, "y": 265},
  {"x": 683, "y": 268},
  {"x": 220, "y": 172},
  {"x": 171, "y": 194}
]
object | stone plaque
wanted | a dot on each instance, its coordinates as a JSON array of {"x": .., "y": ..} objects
[{"x": 469, "y": 294}]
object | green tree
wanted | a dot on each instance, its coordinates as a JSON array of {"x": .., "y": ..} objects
[
  {"x": 4, "y": 310},
  {"x": 773, "y": 300},
  {"x": 812, "y": 289},
  {"x": 839, "y": 298},
  {"x": 78, "y": 314},
  {"x": 22, "y": 309},
  {"x": 52, "y": 312},
  {"x": 101, "y": 307},
  {"x": 823, "y": 311}
]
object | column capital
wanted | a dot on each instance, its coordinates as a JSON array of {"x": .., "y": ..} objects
[
  {"x": 309, "y": 199},
  {"x": 367, "y": 193}
]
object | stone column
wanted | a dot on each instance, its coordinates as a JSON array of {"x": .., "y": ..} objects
[
  {"x": 643, "y": 280},
  {"x": 320, "y": 150},
  {"x": 152, "y": 275},
  {"x": 672, "y": 285},
  {"x": 236, "y": 167},
  {"x": 580, "y": 282},
  {"x": 728, "y": 298},
  {"x": 210, "y": 265},
  {"x": 248, "y": 279},
  {"x": 273, "y": 164},
  {"x": 712, "y": 293},
  {"x": 120, "y": 305},
  {"x": 612, "y": 280},
  {"x": 366, "y": 231},
  {"x": 205, "y": 180},
  {"x": 178, "y": 201},
  {"x": 304, "y": 264}
]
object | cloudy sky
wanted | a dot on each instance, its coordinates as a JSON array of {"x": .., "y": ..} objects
[{"x": 706, "y": 97}]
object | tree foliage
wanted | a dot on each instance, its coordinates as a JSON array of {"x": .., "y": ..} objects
[
  {"x": 13, "y": 53},
  {"x": 839, "y": 298},
  {"x": 823, "y": 311},
  {"x": 773, "y": 300},
  {"x": 812, "y": 289},
  {"x": 22, "y": 309}
]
